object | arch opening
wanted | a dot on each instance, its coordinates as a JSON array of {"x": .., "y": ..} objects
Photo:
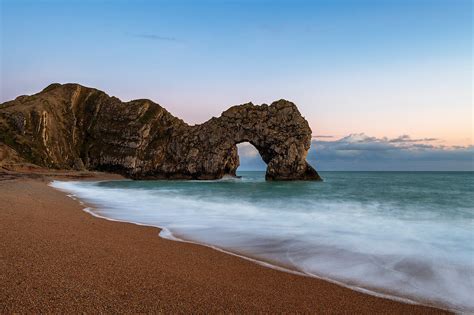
[{"x": 250, "y": 159}]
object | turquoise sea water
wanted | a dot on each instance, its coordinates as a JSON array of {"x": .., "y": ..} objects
[{"x": 403, "y": 234}]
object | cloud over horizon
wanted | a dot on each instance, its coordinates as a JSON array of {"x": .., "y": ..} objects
[{"x": 360, "y": 152}]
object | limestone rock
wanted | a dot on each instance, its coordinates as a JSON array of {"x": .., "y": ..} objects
[{"x": 74, "y": 127}]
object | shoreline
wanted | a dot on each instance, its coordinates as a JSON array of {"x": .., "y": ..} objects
[
  {"x": 168, "y": 235},
  {"x": 275, "y": 291}
]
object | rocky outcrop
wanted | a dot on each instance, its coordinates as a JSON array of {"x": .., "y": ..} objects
[{"x": 74, "y": 127}]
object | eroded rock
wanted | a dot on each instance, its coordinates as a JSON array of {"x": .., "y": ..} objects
[{"x": 74, "y": 127}]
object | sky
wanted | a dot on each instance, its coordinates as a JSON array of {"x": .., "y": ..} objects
[{"x": 362, "y": 72}]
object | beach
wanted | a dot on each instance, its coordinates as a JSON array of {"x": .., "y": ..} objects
[{"x": 55, "y": 257}]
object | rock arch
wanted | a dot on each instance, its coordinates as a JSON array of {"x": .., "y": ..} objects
[
  {"x": 278, "y": 131},
  {"x": 71, "y": 126}
]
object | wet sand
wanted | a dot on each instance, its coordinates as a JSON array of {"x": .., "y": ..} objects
[{"x": 54, "y": 257}]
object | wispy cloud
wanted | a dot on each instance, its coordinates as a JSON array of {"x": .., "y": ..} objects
[
  {"x": 155, "y": 37},
  {"x": 321, "y": 136},
  {"x": 407, "y": 138}
]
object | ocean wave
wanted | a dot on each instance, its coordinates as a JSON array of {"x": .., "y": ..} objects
[{"x": 375, "y": 245}]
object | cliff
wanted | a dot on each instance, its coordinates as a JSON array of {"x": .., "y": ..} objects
[{"x": 75, "y": 127}]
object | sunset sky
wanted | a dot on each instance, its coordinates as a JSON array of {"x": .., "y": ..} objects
[{"x": 364, "y": 72}]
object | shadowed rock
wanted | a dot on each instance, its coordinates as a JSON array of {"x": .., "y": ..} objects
[{"x": 74, "y": 127}]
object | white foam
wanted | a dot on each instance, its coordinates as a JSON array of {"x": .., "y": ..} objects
[{"x": 340, "y": 242}]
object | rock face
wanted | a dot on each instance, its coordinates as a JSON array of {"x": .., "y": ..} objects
[{"x": 74, "y": 127}]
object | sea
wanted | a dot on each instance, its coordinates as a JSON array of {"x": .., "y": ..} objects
[{"x": 401, "y": 235}]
